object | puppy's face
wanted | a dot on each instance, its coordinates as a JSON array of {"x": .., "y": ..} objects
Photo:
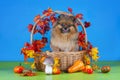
[{"x": 65, "y": 24}]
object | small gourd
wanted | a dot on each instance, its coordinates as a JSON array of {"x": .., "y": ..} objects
[
  {"x": 77, "y": 66},
  {"x": 105, "y": 69}
]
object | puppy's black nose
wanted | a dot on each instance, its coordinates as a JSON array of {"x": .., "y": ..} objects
[{"x": 65, "y": 28}]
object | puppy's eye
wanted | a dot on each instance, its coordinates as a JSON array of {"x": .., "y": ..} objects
[
  {"x": 71, "y": 25},
  {"x": 62, "y": 24}
]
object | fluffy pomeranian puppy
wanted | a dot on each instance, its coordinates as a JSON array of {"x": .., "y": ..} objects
[{"x": 64, "y": 34}]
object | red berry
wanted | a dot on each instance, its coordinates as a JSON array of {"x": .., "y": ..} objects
[{"x": 90, "y": 71}]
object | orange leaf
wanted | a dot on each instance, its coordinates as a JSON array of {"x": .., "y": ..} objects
[
  {"x": 36, "y": 18},
  {"x": 40, "y": 23},
  {"x": 49, "y": 10}
]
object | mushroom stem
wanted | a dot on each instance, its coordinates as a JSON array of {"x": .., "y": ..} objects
[{"x": 48, "y": 69}]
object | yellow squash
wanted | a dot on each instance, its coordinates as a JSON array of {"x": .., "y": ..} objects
[{"x": 77, "y": 66}]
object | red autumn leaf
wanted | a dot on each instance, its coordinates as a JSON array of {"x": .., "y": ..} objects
[
  {"x": 42, "y": 31},
  {"x": 80, "y": 16},
  {"x": 81, "y": 36},
  {"x": 49, "y": 10},
  {"x": 38, "y": 44},
  {"x": 81, "y": 40},
  {"x": 47, "y": 28},
  {"x": 47, "y": 14},
  {"x": 36, "y": 18},
  {"x": 30, "y": 47},
  {"x": 40, "y": 23},
  {"x": 53, "y": 14},
  {"x": 86, "y": 24},
  {"x": 44, "y": 40},
  {"x": 25, "y": 58},
  {"x": 90, "y": 45},
  {"x": 82, "y": 44},
  {"x": 35, "y": 31},
  {"x": 46, "y": 21},
  {"x": 23, "y": 50},
  {"x": 70, "y": 10},
  {"x": 42, "y": 45},
  {"x": 40, "y": 27},
  {"x": 30, "y": 26},
  {"x": 44, "y": 11},
  {"x": 27, "y": 44},
  {"x": 53, "y": 18}
]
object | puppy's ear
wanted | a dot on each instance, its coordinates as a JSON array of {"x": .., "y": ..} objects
[{"x": 73, "y": 19}]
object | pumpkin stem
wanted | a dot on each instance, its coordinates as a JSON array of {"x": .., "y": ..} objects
[{"x": 20, "y": 64}]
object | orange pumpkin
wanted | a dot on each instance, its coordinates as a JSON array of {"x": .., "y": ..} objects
[{"x": 18, "y": 69}]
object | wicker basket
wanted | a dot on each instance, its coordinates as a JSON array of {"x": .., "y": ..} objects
[{"x": 66, "y": 58}]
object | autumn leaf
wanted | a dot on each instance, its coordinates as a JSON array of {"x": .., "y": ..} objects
[
  {"x": 47, "y": 12},
  {"x": 44, "y": 40},
  {"x": 38, "y": 44},
  {"x": 86, "y": 24},
  {"x": 42, "y": 31},
  {"x": 81, "y": 36},
  {"x": 90, "y": 45},
  {"x": 80, "y": 16},
  {"x": 36, "y": 18},
  {"x": 30, "y": 26},
  {"x": 35, "y": 31},
  {"x": 46, "y": 21},
  {"x": 70, "y": 10},
  {"x": 27, "y": 44},
  {"x": 40, "y": 23}
]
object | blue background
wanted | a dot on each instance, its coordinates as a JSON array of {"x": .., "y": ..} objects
[{"x": 104, "y": 32}]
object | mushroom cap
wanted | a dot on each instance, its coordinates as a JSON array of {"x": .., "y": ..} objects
[{"x": 48, "y": 61}]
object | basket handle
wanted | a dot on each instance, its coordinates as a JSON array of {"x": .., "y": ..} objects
[{"x": 58, "y": 12}]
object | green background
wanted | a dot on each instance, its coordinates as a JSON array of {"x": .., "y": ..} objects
[{"x": 6, "y": 73}]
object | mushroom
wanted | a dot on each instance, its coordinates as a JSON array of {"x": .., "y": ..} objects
[{"x": 48, "y": 62}]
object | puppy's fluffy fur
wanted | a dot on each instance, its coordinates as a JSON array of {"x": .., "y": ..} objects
[{"x": 64, "y": 34}]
